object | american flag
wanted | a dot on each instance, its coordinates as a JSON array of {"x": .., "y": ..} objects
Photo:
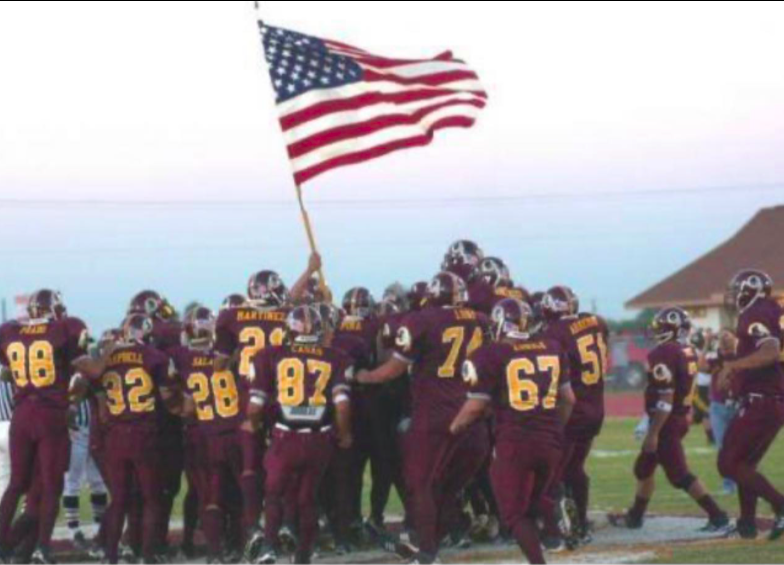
[{"x": 340, "y": 105}]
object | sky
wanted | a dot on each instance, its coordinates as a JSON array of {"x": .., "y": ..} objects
[{"x": 139, "y": 146}]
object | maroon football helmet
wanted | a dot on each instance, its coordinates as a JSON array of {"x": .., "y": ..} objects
[
  {"x": 199, "y": 326},
  {"x": 494, "y": 271},
  {"x": 511, "y": 318},
  {"x": 670, "y": 324},
  {"x": 747, "y": 287},
  {"x": 396, "y": 294},
  {"x": 463, "y": 258},
  {"x": 150, "y": 303},
  {"x": 447, "y": 289},
  {"x": 46, "y": 304},
  {"x": 233, "y": 301},
  {"x": 358, "y": 302},
  {"x": 266, "y": 289},
  {"x": 560, "y": 301},
  {"x": 331, "y": 315},
  {"x": 304, "y": 326},
  {"x": 538, "y": 319},
  {"x": 417, "y": 296},
  {"x": 137, "y": 328}
]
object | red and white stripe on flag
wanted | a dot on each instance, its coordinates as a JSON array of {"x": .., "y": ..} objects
[{"x": 340, "y": 105}]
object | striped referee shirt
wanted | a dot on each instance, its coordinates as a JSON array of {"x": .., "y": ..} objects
[{"x": 6, "y": 401}]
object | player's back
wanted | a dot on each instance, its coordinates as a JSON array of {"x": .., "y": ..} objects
[
  {"x": 437, "y": 342},
  {"x": 248, "y": 330},
  {"x": 39, "y": 354},
  {"x": 523, "y": 380},
  {"x": 584, "y": 339},
  {"x": 302, "y": 381},
  {"x": 215, "y": 393},
  {"x": 134, "y": 373},
  {"x": 673, "y": 368}
]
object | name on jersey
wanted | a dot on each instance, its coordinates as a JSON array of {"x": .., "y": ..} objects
[
  {"x": 584, "y": 324},
  {"x": 351, "y": 326},
  {"x": 536, "y": 346},
  {"x": 126, "y": 358},
  {"x": 260, "y": 316},
  {"x": 308, "y": 350},
  {"x": 465, "y": 314},
  {"x": 509, "y": 293},
  {"x": 202, "y": 362},
  {"x": 33, "y": 330}
]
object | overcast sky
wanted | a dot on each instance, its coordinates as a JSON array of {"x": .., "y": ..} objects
[{"x": 592, "y": 106}]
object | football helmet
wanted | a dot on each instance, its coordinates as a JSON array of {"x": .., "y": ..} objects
[
  {"x": 560, "y": 301},
  {"x": 388, "y": 307},
  {"x": 417, "y": 296},
  {"x": 330, "y": 315},
  {"x": 46, "y": 304},
  {"x": 266, "y": 289},
  {"x": 199, "y": 326},
  {"x": 150, "y": 303},
  {"x": 447, "y": 289},
  {"x": 463, "y": 258},
  {"x": 538, "y": 319},
  {"x": 233, "y": 301},
  {"x": 511, "y": 318},
  {"x": 670, "y": 324},
  {"x": 304, "y": 326},
  {"x": 107, "y": 338},
  {"x": 358, "y": 302},
  {"x": 494, "y": 271},
  {"x": 747, "y": 287},
  {"x": 137, "y": 328}
]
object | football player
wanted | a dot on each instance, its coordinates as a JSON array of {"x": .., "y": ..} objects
[
  {"x": 417, "y": 296},
  {"x": 305, "y": 385},
  {"x": 240, "y": 334},
  {"x": 583, "y": 338},
  {"x": 757, "y": 376},
  {"x": 463, "y": 259},
  {"x": 434, "y": 343},
  {"x": 526, "y": 382},
  {"x": 166, "y": 335},
  {"x": 39, "y": 354},
  {"x": 216, "y": 406},
  {"x": 668, "y": 397},
  {"x": 491, "y": 285},
  {"x": 132, "y": 375}
]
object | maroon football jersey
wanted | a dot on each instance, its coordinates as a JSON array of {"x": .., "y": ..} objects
[
  {"x": 132, "y": 380},
  {"x": 760, "y": 323},
  {"x": 436, "y": 342},
  {"x": 584, "y": 339},
  {"x": 483, "y": 297},
  {"x": 166, "y": 334},
  {"x": 673, "y": 368},
  {"x": 366, "y": 329},
  {"x": 216, "y": 394},
  {"x": 301, "y": 383},
  {"x": 39, "y": 354},
  {"x": 523, "y": 381},
  {"x": 389, "y": 328},
  {"x": 249, "y": 330}
]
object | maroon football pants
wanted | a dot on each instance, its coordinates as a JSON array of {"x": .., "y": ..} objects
[
  {"x": 300, "y": 459},
  {"x": 133, "y": 455},
  {"x": 196, "y": 474},
  {"x": 38, "y": 435},
  {"x": 438, "y": 467},
  {"x": 224, "y": 473},
  {"x": 748, "y": 439},
  {"x": 670, "y": 454},
  {"x": 522, "y": 471}
]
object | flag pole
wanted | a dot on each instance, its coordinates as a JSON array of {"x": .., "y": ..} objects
[
  {"x": 305, "y": 216},
  {"x": 312, "y": 241}
]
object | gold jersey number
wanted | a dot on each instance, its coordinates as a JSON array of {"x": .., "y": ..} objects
[
  {"x": 593, "y": 356},
  {"x": 291, "y": 381},
  {"x": 254, "y": 340},
  {"x": 33, "y": 364},
  {"x": 222, "y": 387},
  {"x": 455, "y": 337},
  {"x": 524, "y": 391},
  {"x": 136, "y": 385}
]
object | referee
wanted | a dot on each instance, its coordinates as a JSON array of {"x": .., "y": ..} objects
[{"x": 6, "y": 409}]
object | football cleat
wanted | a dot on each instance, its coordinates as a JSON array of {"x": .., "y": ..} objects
[
  {"x": 288, "y": 539},
  {"x": 719, "y": 525},
  {"x": 80, "y": 541},
  {"x": 253, "y": 545},
  {"x": 625, "y": 520},
  {"x": 42, "y": 556},
  {"x": 778, "y": 527},
  {"x": 554, "y": 545},
  {"x": 267, "y": 555}
]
